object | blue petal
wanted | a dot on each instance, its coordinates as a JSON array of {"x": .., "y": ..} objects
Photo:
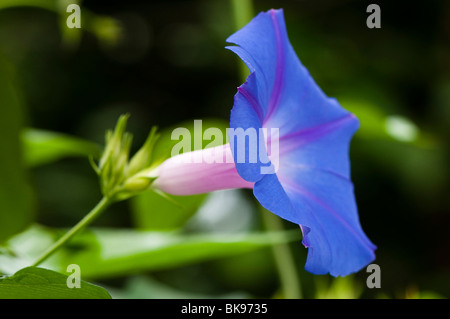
[
  {"x": 283, "y": 86},
  {"x": 324, "y": 207},
  {"x": 312, "y": 187},
  {"x": 246, "y": 116},
  {"x": 336, "y": 241}
]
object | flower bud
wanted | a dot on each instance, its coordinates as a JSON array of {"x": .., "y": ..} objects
[{"x": 120, "y": 177}]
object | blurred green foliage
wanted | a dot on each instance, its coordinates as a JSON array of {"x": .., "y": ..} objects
[
  {"x": 164, "y": 62},
  {"x": 108, "y": 253},
  {"x": 16, "y": 201},
  {"x": 43, "y": 147}
]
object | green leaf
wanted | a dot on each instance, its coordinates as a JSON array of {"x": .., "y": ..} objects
[
  {"x": 22, "y": 250},
  {"x": 107, "y": 253},
  {"x": 39, "y": 283},
  {"x": 43, "y": 147},
  {"x": 154, "y": 211},
  {"x": 16, "y": 210}
]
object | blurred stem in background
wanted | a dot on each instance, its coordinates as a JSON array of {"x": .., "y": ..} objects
[
  {"x": 243, "y": 12},
  {"x": 287, "y": 269}
]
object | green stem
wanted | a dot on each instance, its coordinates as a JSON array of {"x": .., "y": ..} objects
[
  {"x": 242, "y": 13},
  {"x": 97, "y": 210},
  {"x": 287, "y": 268}
]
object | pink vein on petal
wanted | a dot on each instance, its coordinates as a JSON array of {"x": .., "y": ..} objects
[
  {"x": 299, "y": 138},
  {"x": 275, "y": 96},
  {"x": 300, "y": 190},
  {"x": 251, "y": 99}
]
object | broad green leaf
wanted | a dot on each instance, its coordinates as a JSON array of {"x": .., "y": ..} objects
[
  {"x": 23, "y": 249},
  {"x": 108, "y": 253},
  {"x": 16, "y": 210},
  {"x": 43, "y": 147},
  {"x": 229, "y": 211},
  {"x": 154, "y": 211},
  {"x": 105, "y": 253},
  {"x": 40, "y": 283}
]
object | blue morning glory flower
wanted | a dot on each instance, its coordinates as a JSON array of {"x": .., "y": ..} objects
[{"x": 309, "y": 181}]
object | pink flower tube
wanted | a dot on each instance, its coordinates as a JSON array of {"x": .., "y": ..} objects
[{"x": 198, "y": 172}]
